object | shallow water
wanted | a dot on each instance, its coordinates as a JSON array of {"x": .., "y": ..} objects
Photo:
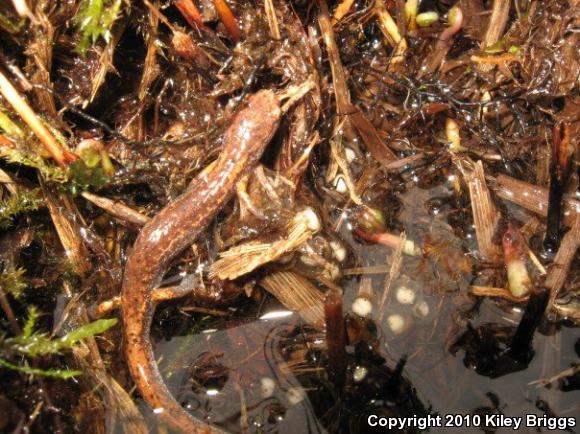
[{"x": 248, "y": 357}]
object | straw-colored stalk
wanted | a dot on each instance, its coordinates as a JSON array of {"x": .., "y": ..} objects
[
  {"x": 117, "y": 209},
  {"x": 532, "y": 197},
  {"x": 490, "y": 291},
  {"x": 559, "y": 269},
  {"x": 485, "y": 215},
  {"x": 298, "y": 294},
  {"x": 391, "y": 32},
  {"x": 20, "y": 106},
  {"x": 157, "y": 295},
  {"x": 342, "y": 9}
]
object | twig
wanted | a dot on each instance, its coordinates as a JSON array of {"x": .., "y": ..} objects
[
  {"x": 335, "y": 337},
  {"x": 341, "y": 92},
  {"x": 495, "y": 28},
  {"x": 565, "y": 373},
  {"x": 497, "y": 23},
  {"x": 117, "y": 209}
]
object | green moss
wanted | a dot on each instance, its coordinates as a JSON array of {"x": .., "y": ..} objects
[
  {"x": 49, "y": 171},
  {"x": 34, "y": 344},
  {"x": 12, "y": 281},
  {"x": 54, "y": 373},
  {"x": 95, "y": 20},
  {"x": 23, "y": 202}
]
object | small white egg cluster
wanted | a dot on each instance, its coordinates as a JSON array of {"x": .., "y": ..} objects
[{"x": 408, "y": 306}]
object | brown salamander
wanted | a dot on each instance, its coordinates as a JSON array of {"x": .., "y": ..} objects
[{"x": 174, "y": 228}]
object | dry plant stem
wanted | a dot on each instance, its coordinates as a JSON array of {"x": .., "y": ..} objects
[
  {"x": 158, "y": 295},
  {"x": 74, "y": 247},
  {"x": 150, "y": 66},
  {"x": 295, "y": 93},
  {"x": 560, "y": 168},
  {"x": 5, "y": 304},
  {"x": 190, "y": 12},
  {"x": 559, "y": 269},
  {"x": 485, "y": 215},
  {"x": 391, "y": 32},
  {"x": 205, "y": 310},
  {"x": 342, "y": 9},
  {"x": 298, "y": 294},
  {"x": 495, "y": 29},
  {"x": 20, "y": 106},
  {"x": 497, "y": 22},
  {"x": 228, "y": 19},
  {"x": 489, "y": 291},
  {"x": 335, "y": 337},
  {"x": 117, "y": 209},
  {"x": 105, "y": 62},
  {"x": 8, "y": 183},
  {"x": 396, "y": 263},
  {"x": 272, "y": 19},
  {"x": 344, "y": 107},
  {"x": 546, "y": 381},
  {"x": 341, "y": 92},
  {"x": 532, "y": 197}
]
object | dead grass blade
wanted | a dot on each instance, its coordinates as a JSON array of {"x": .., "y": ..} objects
[
  {"x": 485, "y": 215},
  {"x": 558, "y": 271},
  {"x": 298, "y": 294},
  {"x": 74, "y": 247},
  {"x": 532, "y": 197},
  {"x": 243, "y": 259}
]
